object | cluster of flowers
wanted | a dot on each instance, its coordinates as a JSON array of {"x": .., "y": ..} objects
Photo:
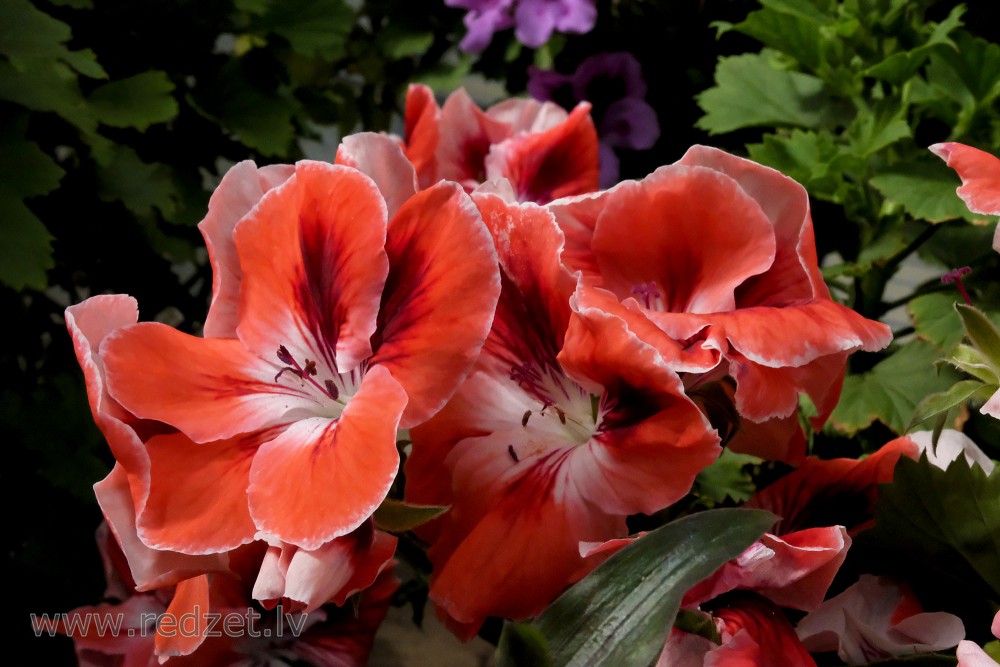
[{"x": 551, "y": 358}]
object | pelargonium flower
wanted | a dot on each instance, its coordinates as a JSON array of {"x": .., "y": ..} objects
[
  {"x": 326, "y": 332},
  {"x": 970, "y": 655},
  {"x": 712, "y": 260},
  {"x": 613, "y": 84},
  {"x": 544, "y": 152},
  {"x": 877, "y": 618},
  {"x": 534, "y": 20},
  {"x": 568, "y": 424}
]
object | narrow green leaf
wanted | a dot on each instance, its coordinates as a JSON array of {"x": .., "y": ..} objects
[
  {"x": 942, "y": 402},
  {"x": 970, "y": 360},
  {"x": 138, "y": 101},
  {"x": 396, "y": 516},
  {"x": 983, "y": 333},
  {"x": 621, "y": 612},
  {"x": 522, "y": 645},
  {"x": 398, "y": 42},
  {"x": 749, "y": 92}
]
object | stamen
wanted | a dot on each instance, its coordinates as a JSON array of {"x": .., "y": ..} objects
[
  {"x": 955, "y": 276},
  {"x": 513, "y": 454},
  {"x": 305, "y": 374},
  {"x": 524, "y": 419},
  {"x": 562, "y": 415},
  {"x": 648, "y": 291}
]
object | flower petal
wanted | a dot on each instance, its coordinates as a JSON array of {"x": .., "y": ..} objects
[
  {"x": 319, "y": 479},
  {"x": 463, "y": 146},
  {"x": 184, "y": 626},
  {"x": 240, "y": 190},
  {"x": 422, "y": 133},
  {"x": 666, "y": 230},
  {"x": 559, "y": 162},
  {"x": 314, "y": 264},
  {"x": 198, "y": 495},
  {"x": 380, "y": 158},
  {"x": 150, "y": 568},
  {"x": 439, "y": 298},
  {"x": 980, "y": 174},
  {"x": 209, "y": 388}
]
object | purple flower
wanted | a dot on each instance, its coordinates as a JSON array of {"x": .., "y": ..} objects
[
  {"x": 534, "y": 20},
  {"x": 613, "y": 84}
]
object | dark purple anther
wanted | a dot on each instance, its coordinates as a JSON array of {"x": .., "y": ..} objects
[
  {"x": 331, "y": 389},
  {"x": 284, "y": 356},
  {"x": 648, "y": 291},
  {"x": 513, "y": 454},
  {"x": 955, "y": 276}
]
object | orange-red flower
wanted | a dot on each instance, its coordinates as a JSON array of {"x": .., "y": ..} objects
[
  {"x": 712, "y": 260},
  {"x": 568, "y": 424},
  {"x": 544, "y": 152},
  {"x": 330, "y": 326}
]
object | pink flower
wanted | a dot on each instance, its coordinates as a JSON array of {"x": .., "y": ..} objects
[
  {"x": 567, "y": 424},
  {"x": 877, "y": 618},
  {"x": 712, "y": 260},
  {"x": 544, "y": 152}
]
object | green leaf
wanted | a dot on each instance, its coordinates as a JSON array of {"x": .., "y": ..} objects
[
  {"x": 891, "y": 391},
  {"x": 970, "y": 360},
  {"x": 697, "y": 622},
  {"x": 983, "y": 333},
  {"x": 935, "y": 319},
  {"x": 33, "y": 40},
  {"x": 315, "y": 28},
  {"x": 926, "y": 190},
  {"x": 396, "y": 516},
  {"x": 138, "y": 101},
  {"x": 521, "y": 645},
  {"x": 934, "y": 513},
  {"x": 25, "y": 172},
  {"x": 259, "y": 119},
  {"x": 749, "y": 92},
  {"x": 788, "y": 33},
  {"x": 621, "y": 612},
  {"x": 398, "y": 41},
  {"x": 872, "y": 131},
  {"x": 942, "y": 402},
  {"x": 141, "y": 187},
  {"x": 25, "y": 245},
  {"x": 727, "y": 477},
  {"x": 809, "y": 10},
  {"x": 802, "y": 155}
]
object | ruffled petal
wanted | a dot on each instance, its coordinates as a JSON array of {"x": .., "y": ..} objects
[
  {"x": 832, "y": 491},
  {"x": 439, "y": 298},
  {"x": 542, "y": 166},
  {"x": 970, "y": 655},
  {"x": 320, "y": 478},
  {"x": 240, "y": 190},
  {"x": 89, "y": 323},
  {"x": 468, "y": 132},
  {"x": 150, "y": 568},
  {"x": 198, "y": 495},
  {"x": 794, "y": 571},
  {"x": 209, "y": 388},
  {"x": 380, "y": 158},
  {"x": 422, "y": 132},
  {"x": 314, "y": 264},
  {"x": 794, "y": 274},
  {"x": 980, "y": 174},
  {"x": 667, "y": 234},
  {"x": 649, "y": 446}
]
